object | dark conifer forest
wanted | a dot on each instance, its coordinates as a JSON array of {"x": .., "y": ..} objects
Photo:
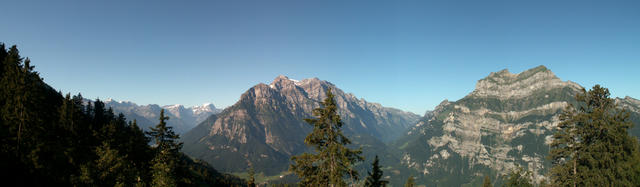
[{"x": 53, "y": 139}]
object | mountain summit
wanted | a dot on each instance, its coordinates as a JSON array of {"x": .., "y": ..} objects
[
  {"x": 506, "y": 85},
  {"x": 507, "y": 121},
  {"x": 266, "y": 127}
]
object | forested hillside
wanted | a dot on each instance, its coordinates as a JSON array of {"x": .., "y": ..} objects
[{"x": 48, "y": 139}]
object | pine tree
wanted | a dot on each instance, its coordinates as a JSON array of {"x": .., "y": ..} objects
[
  {"x": 25, "y": 113},
  {"x": 67, "y": 114},
  {"x": 50, "y": 140},
  {"x": 3, "y": 55},
  {"x": 3, "y": 131},
  {"x": 137, "y": 148},
  {"x": 14, "y": 92},
  {"x": 518, "y": 178},
  {"x": 163, "y": 135},
  {"x": 252, "y": 180},
  {"x": 109, "y": 169},
  {"x": 486, "y": 182},
  {"x": 165, "y": 164},
  {"x": 592, "y": 146},
  {"x": 68, "y": 122},
  {"x": 332, "y": 159},
  {"x": 410, "y": 182},
  {"x": 163, "y": 170},
  {"x": 375, "y": 176}
]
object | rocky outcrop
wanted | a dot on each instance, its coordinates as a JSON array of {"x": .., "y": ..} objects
[
  {"x": 507, "y": 121},
  {"x": 505, "y": 85},
  {"x": 630, "y": 104}
]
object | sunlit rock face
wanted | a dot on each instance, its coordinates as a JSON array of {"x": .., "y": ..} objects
[
  {"x": 266, "y": 126},
  {"x": 505, "y": 85},
  {"x": 630, "y": 104},
  {"x": 507, "y": 121}
]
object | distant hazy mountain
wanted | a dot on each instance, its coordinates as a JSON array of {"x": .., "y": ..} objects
[
  {"x": 181, "y": 118},
  {"x": 507, "y": 121},
  {"x": 266, "y": 127}
]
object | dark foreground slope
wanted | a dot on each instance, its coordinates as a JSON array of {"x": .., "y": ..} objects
[{"x": 50, "y": 140}]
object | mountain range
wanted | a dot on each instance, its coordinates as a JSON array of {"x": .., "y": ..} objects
[
  {"x": 181, "y": 118},
  {"x": 506, "y": 122},
  {"x": 266, "y": 127}
]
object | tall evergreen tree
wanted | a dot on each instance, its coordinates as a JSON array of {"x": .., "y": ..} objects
[
  {"x": 137, "y": 148},
  {"x": 3, "y": 131},
  {"x": 109, "y": 169},
  {"x": 3, "y": 55},
  {"x": 486, "y": 182},
  {"x": 50, "y": 140},
  {"x": 592, "y": 146},
  {"x": 14, "y": 90},
  {"x": 410, "y": 182},
  {"x": 163, "y": 135},
  {"x": 518, "y": 178},
  {"x": 26, "y": 114},
  {"x": 375, "y": 176},
  {"x": 164, "y": 165},
  {"x": 332, "y": 159},
  {"x": 252, "y": 179}
]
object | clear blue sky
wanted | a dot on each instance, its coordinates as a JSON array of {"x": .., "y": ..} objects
[{"x": 409, "y": 55}]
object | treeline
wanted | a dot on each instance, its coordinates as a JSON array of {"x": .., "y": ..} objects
[{"x": 48, "y": 139}]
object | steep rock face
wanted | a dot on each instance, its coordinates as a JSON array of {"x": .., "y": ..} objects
[
  {"x": 180, "y": 118},
  {"x": 507, "y": 121},
  {"x": 505, "y": 85},
  {"x": 630, "y": 104},
  {"x": 633, "y": 107},
  {"x": 266, "y": 127}
]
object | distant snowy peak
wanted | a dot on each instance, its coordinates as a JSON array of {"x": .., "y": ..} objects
[
  {"x": 110, "y": 100},
  {"x": 283, "y": 81},
  {"x": 181, "y": 117},
  {"x": 178, "y": 108},
  {"x": 195, "y": 111},
  {"x": 173, "y": 106},
  {"x": 205, "y": 108}
]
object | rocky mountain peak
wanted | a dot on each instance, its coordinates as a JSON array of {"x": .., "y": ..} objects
[
  {"x": 266, "y": 126},
  {"x": 282, "y": 81},
  {"x": 629, "y": 103},
  {"x": 260, "y": 90},
  {"x": 174, "y": 107},
  {"x": 504, "y": 84},
  {"x": 441, "y": 106},
  {"x": 633, "y": 100},
  {"x": 504, "y": 77},
  {"x": 205, "y": 108}
]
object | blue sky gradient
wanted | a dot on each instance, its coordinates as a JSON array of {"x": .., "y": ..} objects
[{"x": 405, "y": 54}]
